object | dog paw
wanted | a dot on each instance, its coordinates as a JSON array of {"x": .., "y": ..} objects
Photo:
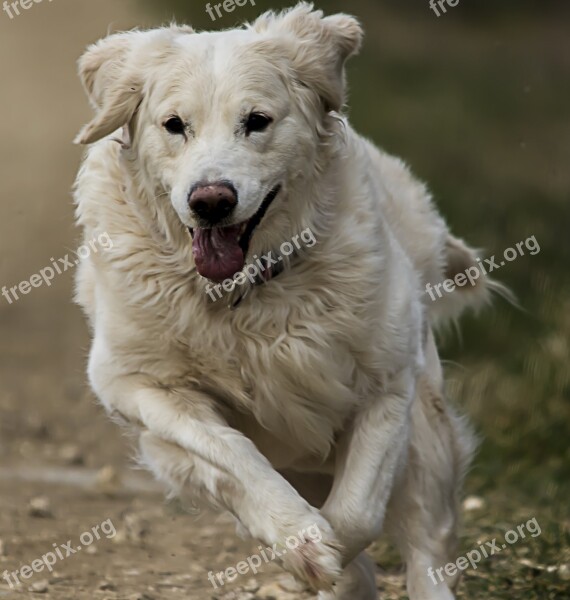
[
  {"x": 298, "y": 536},
  {"x": 316, "y": 564},
  {"x": 313, "y": 555}
]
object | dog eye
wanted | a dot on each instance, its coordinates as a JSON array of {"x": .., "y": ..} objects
[
  {"x": 257, "y": 122},
  {"x": 175, "y": 125}
]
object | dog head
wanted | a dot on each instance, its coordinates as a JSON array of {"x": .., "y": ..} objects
[{"x": 224, "y": 124}]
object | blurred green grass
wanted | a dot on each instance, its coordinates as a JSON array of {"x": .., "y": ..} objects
[{"x": 477, "y": 102}]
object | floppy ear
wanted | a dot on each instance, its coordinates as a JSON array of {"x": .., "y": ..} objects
[
  {"x": 320, "y": 47},
  {"x": 111, "y": 72},
  {"x": 111, "y": 83}
]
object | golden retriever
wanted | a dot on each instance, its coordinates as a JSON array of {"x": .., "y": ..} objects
[{"x": 310, "y": 393}]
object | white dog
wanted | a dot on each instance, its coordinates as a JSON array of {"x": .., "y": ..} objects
[{"x": 311, "y": 395}]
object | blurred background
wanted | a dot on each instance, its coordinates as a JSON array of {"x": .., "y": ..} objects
[{"x": 477, "y": 101}]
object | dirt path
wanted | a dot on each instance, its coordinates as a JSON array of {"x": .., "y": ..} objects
[{"x": 146, "y": 549}]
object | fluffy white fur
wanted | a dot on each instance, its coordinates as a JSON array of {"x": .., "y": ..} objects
[{"x": 319, "y": 400}]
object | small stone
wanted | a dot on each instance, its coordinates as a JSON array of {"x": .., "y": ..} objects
[
  {"x": 564, "y": 572},
  {"x": 536, "y": 567},
  {"x": 108, "y": 479},
  {"x": 168, "y": 584},
  {"x": 107, "y": 586},
  {"x": 209, "y": 532},
  {"x": 251, "y": 585},
  {"x": 91, "y": 550},
  {"x": 39, "y": 429},
  {"x": 138, "y": 596},
  {"x": 120, "y": 537},
  {"x": 136, "y": 527},
  {"x": 71, "y": 455},
  {"x": 40, "y": 587},
  {"x": 40, "y": 508},
  {"x": 473, "y": 503}
]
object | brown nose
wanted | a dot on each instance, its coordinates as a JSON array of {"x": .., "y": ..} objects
[{"x": 213, "y": 202}]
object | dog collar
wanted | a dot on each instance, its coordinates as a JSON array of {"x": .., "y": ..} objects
[{"x": 269, "y": 273}]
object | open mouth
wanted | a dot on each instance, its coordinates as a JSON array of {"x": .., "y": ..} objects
[{"x": 219, "y": 252}]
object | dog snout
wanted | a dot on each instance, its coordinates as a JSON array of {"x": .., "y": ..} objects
[{"x": 213, "y": 202}]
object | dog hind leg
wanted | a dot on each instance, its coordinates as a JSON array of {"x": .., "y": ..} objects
[
  {"x": 423, "y": 512},
  {"x": 357, "y": 581}
]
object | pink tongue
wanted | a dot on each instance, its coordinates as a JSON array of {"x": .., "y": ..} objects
[{"x": 217, "y": 253}]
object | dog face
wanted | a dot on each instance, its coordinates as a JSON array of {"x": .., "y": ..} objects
[
  {"x": 223, "y": 140},
  {"x": 222, "y": 123}
]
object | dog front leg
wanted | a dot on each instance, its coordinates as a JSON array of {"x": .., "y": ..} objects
[
  {"x": 224, "y": 465},
  {"x": 367, "y": 459}
]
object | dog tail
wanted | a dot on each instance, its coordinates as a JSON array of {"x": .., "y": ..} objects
[{"x": 464, "y": 285}]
